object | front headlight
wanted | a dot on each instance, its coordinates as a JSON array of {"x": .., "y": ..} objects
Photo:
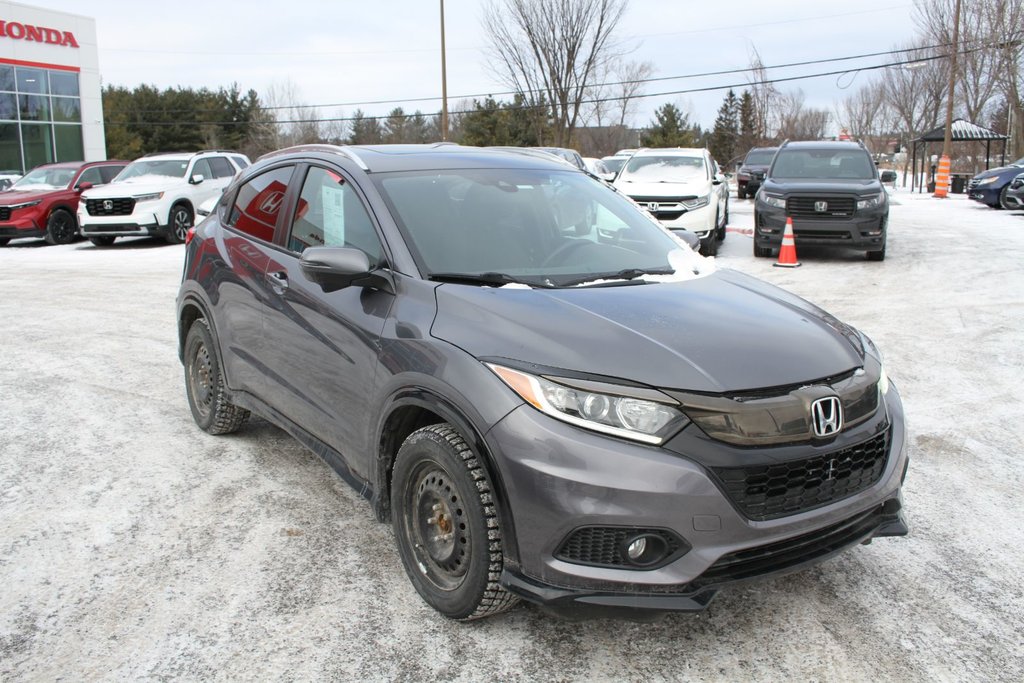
[
  {"x": 25, "y": 205},
  {"x": 625, "y": 416},
  {"x": 696, "y": 203},
  {"x": 149, "y": 197},
  {"x": 988, "y": 181},
  {"x": 870, "y": 201},
  {"x": 883, "y": 382},
  {"x": 772, "y": 200}
]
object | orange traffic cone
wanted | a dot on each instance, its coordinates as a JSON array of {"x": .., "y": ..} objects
[{"x": 787, "y": 254}]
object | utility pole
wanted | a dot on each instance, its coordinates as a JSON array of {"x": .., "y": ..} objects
[
  {"x": 444, "y": 82},
  {"x": 942, "y": 179}
]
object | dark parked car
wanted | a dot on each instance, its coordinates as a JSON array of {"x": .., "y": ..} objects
[
  {"x": 991, "y": 186},
  {"x": 832, "y": 192},
  {"x": 548, "y": 395},
  {"x": 44, "y": 201},
  {"x": 752, "y": 171}
]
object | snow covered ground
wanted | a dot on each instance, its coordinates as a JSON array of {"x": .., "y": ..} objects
[{"x": 132, "y": 545}]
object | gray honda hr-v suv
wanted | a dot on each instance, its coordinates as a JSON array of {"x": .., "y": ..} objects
[{"x": 547, "y": 394}]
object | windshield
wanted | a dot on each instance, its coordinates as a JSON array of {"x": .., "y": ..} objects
[
  {"x": 614, "y": 165},
  {"x": 45, "y": 179},
  {"x": 760, "y": 158},
  {"x": 174, "y": 168},
  {"x": 538, "y": 227},
  {"x": 664, "y": 169},
  {"x": 823, "y": 164}
]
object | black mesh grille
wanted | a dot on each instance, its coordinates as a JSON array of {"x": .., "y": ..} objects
[
  {"x": 604, "y": 545},
  {"x": 823, "y": 234},
  {"x": 779, "y": 556},
  {"x": 5, "y": 213},
  {"x": 121, "y": 206},
  {"x": 806, "y": 207},
  {"x": 769, "y": 491}
]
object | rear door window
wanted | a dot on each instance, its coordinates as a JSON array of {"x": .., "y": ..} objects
[{"x": 221, "y": 167}]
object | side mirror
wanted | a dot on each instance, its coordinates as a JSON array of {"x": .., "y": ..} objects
[
  {"x": 82, "y": 187},
  {"x": 690, "y": 238},
  {"x": 607, "y": 177},
  {"x": 197, "y": 178},
  {"x": 335, "y": 268}
]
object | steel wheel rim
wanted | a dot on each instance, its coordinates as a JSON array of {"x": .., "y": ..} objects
[
  {"x": 201, "y": 379},
  {"x": 438, "y": 527}
]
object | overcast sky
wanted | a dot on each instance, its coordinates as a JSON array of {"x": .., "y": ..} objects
[{"x": 354, "y": 51}]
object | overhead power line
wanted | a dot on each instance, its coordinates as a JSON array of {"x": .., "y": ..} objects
[{"x": 687, "y": 91}]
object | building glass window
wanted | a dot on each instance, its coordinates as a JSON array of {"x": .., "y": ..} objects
[
  {"x": 64, "y": 83},
  {"x": 68, "y": 143},
  {"x": 36, "y": 128},
  {"x": 10, "y": 148},
  {"x": 37, "y": 143},
  {"x": 32, "y": 81}
]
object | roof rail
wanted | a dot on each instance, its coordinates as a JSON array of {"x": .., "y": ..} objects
[{"x": 318, "y": 147}]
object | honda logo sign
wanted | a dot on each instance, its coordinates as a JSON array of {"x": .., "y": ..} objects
[{"x": 827, "y": 416}]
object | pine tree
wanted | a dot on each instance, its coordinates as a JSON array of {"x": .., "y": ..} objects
[
  {"x": 726, "y": 131},
  {"x": 365, "y": 130},
  {"x": 670, "y": 128},
  {"x": 749, "y": 136}
]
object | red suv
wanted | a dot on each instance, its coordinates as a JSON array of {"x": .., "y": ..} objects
[{"x": 44, "y": 201}]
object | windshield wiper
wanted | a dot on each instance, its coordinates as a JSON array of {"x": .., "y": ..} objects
[
  {"x": 626, "y": 274},
  {"x": 492, "y": 279}
]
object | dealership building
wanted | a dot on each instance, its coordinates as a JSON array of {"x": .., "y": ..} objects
[{"x": 50, "y": 100}]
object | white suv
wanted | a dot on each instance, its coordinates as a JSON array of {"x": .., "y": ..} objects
[
  {"x": 156, "y": 195},
  {"x": 683, "y": 189}
]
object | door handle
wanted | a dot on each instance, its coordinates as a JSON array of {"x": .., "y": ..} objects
[{"x": 278, "y": 280}]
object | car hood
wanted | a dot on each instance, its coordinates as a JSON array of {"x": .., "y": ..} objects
[
  {"x": 648, "y": 189},
  {"x": 721, "y": 333},
  {"x": 132, "y": 187},
  {"x": 827, "y": 186},
  {"x": 12, "y": 197},
  {"x": 1007, "y": 170}
]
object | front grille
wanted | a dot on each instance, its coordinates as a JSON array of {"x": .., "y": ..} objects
[
  {"x": 774, "y": 557},
  {"x": 836, "y": 207},
  {"x": 116, "y": 227},
  {"x": 5, "y": 213},
  {"x": 757, "y": 175},
  {"x": 972, "y": 183},
  {"x": 121, "y": 206},
  {"x": 603, "y": 546},
  {"x": 821, "y": 234},
  {"x": 769, "y": 491}
]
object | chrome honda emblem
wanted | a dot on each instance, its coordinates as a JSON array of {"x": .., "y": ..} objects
[
  {"x": 652, "y": 207},
  {"x": 108, "y": 205},
  {"x": 827, "y": 416},
  {"x": 821, "y": 207}
]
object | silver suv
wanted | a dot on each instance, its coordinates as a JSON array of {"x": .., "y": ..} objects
[{"x": 156, "y": 195}]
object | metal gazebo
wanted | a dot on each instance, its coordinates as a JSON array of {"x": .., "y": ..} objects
[{"x": 962, "y": 131}]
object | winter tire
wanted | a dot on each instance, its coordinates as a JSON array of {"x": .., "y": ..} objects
[
  {"x": 447, "y": 526},
  {"x": 61, "y": 227},
  {"x": 1003, "y": 204},
  {"x": 204, "y": 384}
]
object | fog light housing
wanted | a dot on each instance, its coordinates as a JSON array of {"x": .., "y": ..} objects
[
  {"x": 622, "y": 547},
  {"x": 645, "y": 550}
]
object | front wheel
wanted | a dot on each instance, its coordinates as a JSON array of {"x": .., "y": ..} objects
[
  {"x": 446, "y": 525},
  {"x": 877, "y": 255},
  {"x": 4, "y": 241},
  {"x": 1003, "y": 204},
  {"x": 204, "y": 384},
  {"x": 741, "y": 192},
  {"x": 61, "y": 227},
  {"x": 179, "y": 223}
]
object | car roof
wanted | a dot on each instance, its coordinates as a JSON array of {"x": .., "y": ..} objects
[
  {"x": 672, "y": 151},
  {"x": 436, "y": 156},
  {"x": 823, "y": 144}
]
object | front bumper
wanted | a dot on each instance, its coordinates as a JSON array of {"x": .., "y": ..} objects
[
  {"x": 986, "y": 194},
  {"x": 558, "y": 478},
  {"x": 18, "y": 228},
  {"x": 866, "y": 230},
  {"x": 137, "y": 224}
]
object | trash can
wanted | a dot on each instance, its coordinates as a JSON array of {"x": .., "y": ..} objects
[{"x": 959, "y": 184}]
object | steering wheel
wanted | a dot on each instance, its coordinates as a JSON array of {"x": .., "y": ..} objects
[{"x": 566, "y": 248}]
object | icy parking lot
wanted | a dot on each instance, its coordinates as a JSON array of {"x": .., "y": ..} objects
[{"x": 133, "y": 545}]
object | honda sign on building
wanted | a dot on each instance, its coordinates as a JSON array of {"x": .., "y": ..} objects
[{"x": 50, "y": 101}]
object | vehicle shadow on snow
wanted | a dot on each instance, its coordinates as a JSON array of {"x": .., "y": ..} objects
[{"x": 130, "y": 243}]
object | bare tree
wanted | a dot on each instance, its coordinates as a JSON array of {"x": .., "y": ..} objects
[
  {"x": 1005, "y": 22},
  {"x": 798, "y": 122},
  {"x": 765, "y": 97},
  {"x": 614, "y": 106},
  {"x": 862, "y": 112},
  {"x": 549, "y": 51}
]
